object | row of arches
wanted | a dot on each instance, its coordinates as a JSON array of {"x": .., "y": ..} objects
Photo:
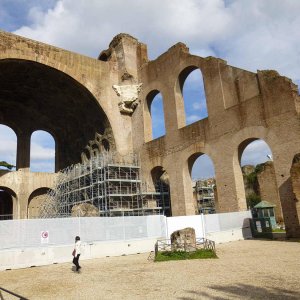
[
  {"x": 255, "y": 152},
  {"x": 252, "y": 153},
  {"x": 200, "y": 166},
  {"x": 42, "y": 149},
  {"x": 194, "y": 107}
]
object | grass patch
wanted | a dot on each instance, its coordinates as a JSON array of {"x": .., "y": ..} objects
[
  {"x": 278, "y": 230},
  {"x": 181, "y": 255}
]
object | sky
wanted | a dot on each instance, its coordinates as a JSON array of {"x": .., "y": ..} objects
[{"x": 252, "y": 35}]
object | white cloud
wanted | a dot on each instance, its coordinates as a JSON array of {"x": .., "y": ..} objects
[
  {"x": 256, "y": 153},
  {"x": 249, "y": 34},
  {"x": 8, "y": 145},
  {"x": 203, "y": 168},
  {"x": 40, "y": 153},
  {"x": 198, "y": 105},
  {"x": 192, "y": 118},
  {"x": 43, "y": 166}
]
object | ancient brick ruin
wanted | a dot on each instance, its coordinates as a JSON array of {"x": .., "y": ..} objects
[{"x": 91, "y": 105}]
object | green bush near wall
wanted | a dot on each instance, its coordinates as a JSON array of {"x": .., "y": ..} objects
[{"x": 181, "y": 255}]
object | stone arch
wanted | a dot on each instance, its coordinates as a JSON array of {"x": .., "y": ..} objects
[
  {"x": 11, "y": 208},
  {"x": 105, "y": 144},
  {"x": 66, "y": 68},
  {"x": 65, "y": 101},
  {"x": 35, "y": 200},
  {"x": 150, "y": 94},
  {"x": 180, "y": 102},
  {"x": 10, "y": 155},
  {"x": 161, "y": 185},
  {"x": 148, "y": 115},
  {"x": 201, "y": 205},
  {"x": 240, "y": 179},
  {"x": 50, "y": 138}
]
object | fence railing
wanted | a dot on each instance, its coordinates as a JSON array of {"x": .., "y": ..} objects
[
  {"x": 10, "y": 293},
  {"x": 201, "y": 243},
  {"x": 6, "y": 217}
]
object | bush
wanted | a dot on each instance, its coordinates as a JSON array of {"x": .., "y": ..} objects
[
  {"x": 252, "y": 200},
  {"x": 181, "y": 255}
]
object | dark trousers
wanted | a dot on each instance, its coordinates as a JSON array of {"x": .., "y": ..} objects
[{"x": 76, "y": 262}]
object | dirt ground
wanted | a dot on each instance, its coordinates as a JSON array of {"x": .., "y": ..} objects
[{"x": 251, "y": 269}]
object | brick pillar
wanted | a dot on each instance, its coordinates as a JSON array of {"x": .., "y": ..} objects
[
  {"x": 287, "y": 198},
  {"x": 181, "y": 190},
  {"x": 23, "y": 151},
  {"x": 268, "y": 188},
  {"x": 295, "y": 179},
  {"x": 230, "y": 185}
]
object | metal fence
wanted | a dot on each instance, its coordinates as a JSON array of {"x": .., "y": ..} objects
[{"x": 200, "y": 243}]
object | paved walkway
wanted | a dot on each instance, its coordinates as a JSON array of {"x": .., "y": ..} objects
[{"x": 249, "y": 269}]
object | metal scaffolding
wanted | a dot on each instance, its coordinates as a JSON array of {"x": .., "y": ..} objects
[{"x": 110, "y": 183}]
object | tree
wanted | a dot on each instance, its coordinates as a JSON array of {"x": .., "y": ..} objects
[
  {"x": 252, "y": 200},
  {"x": 6, "y": 165}
]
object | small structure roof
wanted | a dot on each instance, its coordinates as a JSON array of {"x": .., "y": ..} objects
[{"x": 264, "y": 204}]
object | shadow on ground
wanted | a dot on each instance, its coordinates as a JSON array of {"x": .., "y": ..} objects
[{"x": 243, "y": 291}]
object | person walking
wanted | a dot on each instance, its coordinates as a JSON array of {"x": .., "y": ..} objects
[{"x": 76, "y": 253}]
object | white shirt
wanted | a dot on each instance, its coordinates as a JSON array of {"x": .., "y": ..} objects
[{"x": 78, "y": 247}]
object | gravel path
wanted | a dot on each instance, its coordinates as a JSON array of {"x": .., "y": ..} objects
[{"x": 250, "y": 269}]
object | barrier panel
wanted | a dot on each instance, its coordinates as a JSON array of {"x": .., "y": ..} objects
[{"x": 62, "y": 231}]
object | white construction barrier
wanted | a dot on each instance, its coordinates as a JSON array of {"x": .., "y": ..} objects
[{"x": 34, "y": 242}]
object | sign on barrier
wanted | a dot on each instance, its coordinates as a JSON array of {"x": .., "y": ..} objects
[{"x": 44, "y": 237}]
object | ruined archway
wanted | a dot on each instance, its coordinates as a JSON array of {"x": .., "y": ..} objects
[
  {"x": 155, "y": 119},
  {"x": 258, "y": 175},
  {"x": 37, "y": 97},
  {"x": 8, "y": 204},
  {"x": 191, "y": 102},
  {"x": 161, "y": 183},
  {"x": 203, "y": 183},
  {"x": 42, "y": 152},
  {"x": 35, "y": 202}
]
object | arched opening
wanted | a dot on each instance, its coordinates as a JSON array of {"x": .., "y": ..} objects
[
  {"x": 34, "y": 97},
  {"x": 105, "y": 144},
  {"x": 8, "y": 148},
  {"x": 8, "y": 204},
  {"x": 193, "y": 94},
  {"x": 156, "y": 112},
  {"x": 161, "y": 196},
  {"x": 202, "y": 172},
  {"x": 35, "y": 202},
  {"x": 42, "y": 152},
  {"x": 95, "y": 150},
  {"x": 256, "y": 162}
]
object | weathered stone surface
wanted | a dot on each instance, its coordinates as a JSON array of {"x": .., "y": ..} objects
[
  {"x": 295, "y": 178},
  {"x": 268, "y": 188},
  {"x": 184, "y": 240},
  {"x": 71, "y": 96},
  {"x": 84, "y": 210}
]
